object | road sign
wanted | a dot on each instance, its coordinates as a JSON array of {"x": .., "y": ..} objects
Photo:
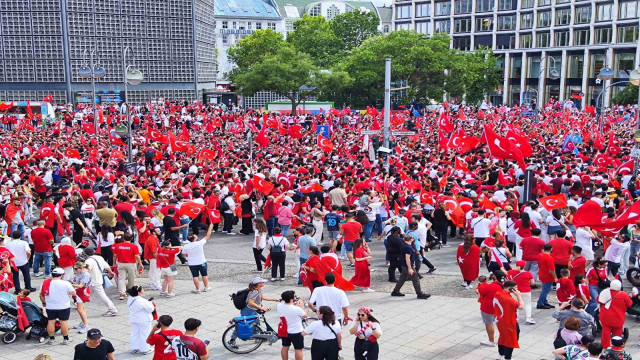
[
  {"x": 403, "y": 133},
  {"x": 370, "y": 132}
]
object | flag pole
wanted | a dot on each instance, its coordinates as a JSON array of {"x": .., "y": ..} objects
[{"x": 387, "y": 108}]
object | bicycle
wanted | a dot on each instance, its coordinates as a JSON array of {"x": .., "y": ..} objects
[{"x": 260, "y": 335}]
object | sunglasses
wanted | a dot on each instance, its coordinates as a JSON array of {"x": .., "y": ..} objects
[{"x": 362, "y": 314}]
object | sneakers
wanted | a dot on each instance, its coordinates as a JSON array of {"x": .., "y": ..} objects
[
  {"x": 530, "y": 321},
  {"x": 79, "y": 326},
  {"x": 432, "y": 270},
  {"x": 397, "y": 294},
  {"x": 195, "y": 291},
  {"x": 65, "y": 341},
  {"x": 352, "y": 265},
  {"x": 208, "y": 288},
  {"x": 273, "y": 279},
  {"x": 488, "y": 343},
  {"x": 544, "y": 307},
  {"x": 83, "y": 330},
  {"x": 424, "y": 296},
  {"x": 368, "y": 290},
  {"x": 469, "y": 287},
  {"x": 122, "y": 297},
  {"x": 282, "y": 279},
  {"x": 171, "y": 294},
  {"x": 230, "y": 233},
  {"x": 232, "y": 344},
  {"x": 163, "y": 293},
  {"x": 37, "y": 274},
  {"x": 51, "y": 342},
  {"x": 445, "y": 245},
  {"x": 110, "y": 313}
]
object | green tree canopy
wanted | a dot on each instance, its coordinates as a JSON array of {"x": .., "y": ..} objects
[
  {"x": 626, "y": 96},
  {"x": 312, "y": 35},
  {"x": 255, "y": 48},
  {"x": 354, "y": 27}
]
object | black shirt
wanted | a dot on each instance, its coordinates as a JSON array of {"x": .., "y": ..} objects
[
  {"x": 83, "y": 352},
  {"x": 440, "y": 220},
  {"x": 172, "y": 235},
  {"x": 407, "y": 250},
  {"x": 395, "y": 244},
  {"x": 76, "y": 214}
]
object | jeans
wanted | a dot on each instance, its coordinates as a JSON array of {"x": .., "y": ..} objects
[
  {"x": 613, "y": 268},
  {"x": 544, "y": 292},
  {"x": 185, "y": 231},
  {"x": 38, "y": 258},
  {"x": 386, "y": 246},
  {"x": 635, "y": 246},
  {"x": 259, "y": 258},
  {"x": 594, "y": 291},
  {"x": 379, "y": 221},
  {"x": 532, "y": 267},
  {"x": 18, "y": 226},
  {"x": 302, "y": 261},
  {"x": 285, "y": 229},
  {"x": 368, "y": 229},
  {"x": 441, "y": 234},
  {"x": 271, "y": 223},
  {"x": 414, "y": 279},
  {"x": 26, "y": 274}
]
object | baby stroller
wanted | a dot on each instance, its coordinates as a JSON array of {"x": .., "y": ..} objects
[{"x": 9, "y": 319}]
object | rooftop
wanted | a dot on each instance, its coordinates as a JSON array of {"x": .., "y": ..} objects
[
  {"x": 246, "y": 8},
  {"x": 385, "y": 13},
  {"x": 295, "y": 8}
]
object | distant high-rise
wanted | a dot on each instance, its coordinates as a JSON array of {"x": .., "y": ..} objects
[{"x": 43, "y": 43}]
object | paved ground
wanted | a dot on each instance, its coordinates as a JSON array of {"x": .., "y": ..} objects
[{"x": 447, "y": 326}]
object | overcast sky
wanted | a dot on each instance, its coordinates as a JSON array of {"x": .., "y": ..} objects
[{"x": 381, "y": 2}]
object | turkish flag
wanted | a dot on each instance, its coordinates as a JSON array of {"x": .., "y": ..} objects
[
  {"x": 589, "y": 213},
  {"x": 262, "y": 185},
  {"x": 504, "y": 179},
  {"x": 191, "y": 209},
  {"x": 45, "y": 151},
  {"x": 253, "y": 127},
  {"x": 625, "y": 169},
  {"x": 285, "y": 181},
  {"x": 5, "y": 106},
  {"x": 93, "y": 152},
  {"x": 522, "y": 143},
  {"x": 262, "y": 139},
  {"x": 442, "y": 142},
  {"x": 452, "y": 206},
  {"x": 156, "y": 135},
  {"x": 295, "y": 131},
  {"x": 117, "y": 154},
  {"x": 372, "y": 111},
  {"x": 461, "y": 165},
  {"x": 311, "y": 188},
  {"x": 88, "y": 127},
  {"x": 214, "y": 216},
  {"x": 72, "y": 153},
  {"x": 270, "y": 122},
  {"x": 426, "y": 197},
  {"x": 444, "y": 123},
  {"x": 114, "y": 138},
  {"x": 498, "y": 146},
  {"x": 207, "y": 154},
  {"x": 325, "y": 144},
  {"x": 48, "y": 98},
  {"x": 26, "y": 124},
  {"x": 29, "y": 111},
  {"x": 553, "y": 202},
  {"x": 177, "y": 145},
  {"x": 629, "y": 216},
  {"x": 465, "y": 203},
  {"x": 487, "y": 204}
]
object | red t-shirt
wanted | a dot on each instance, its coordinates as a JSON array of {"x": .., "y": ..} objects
[
  {"x": 194, "y": 344},
  {"x": 593, "y": 276},
  {"x": 162, "y": 348},
  {"x": 522, "y": 278},
  {"x": 41, "y": 238},
  {"x": 86, "y": 194},
  {"x": 143, "y": 236},
  {"x": 166, "y": 257},
  {"x": 561, "y": 251},
  {"x": 487, "y": 292},
  {"x": 126, "y": 252},
  {"x": 546, "y": 265},
  {"x": 615, "y": 315},
  {"x": 151, "y": 246},
  {"x": 566, "y": 290},
  {"x": 531, "y": 247},
  {"x": 39, "y": 185},
  {"x": 352, "y": 230},
  {"x": 578, "y": 267}
]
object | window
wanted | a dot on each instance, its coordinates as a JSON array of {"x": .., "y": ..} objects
[
  {"x": 628, "y": 10},
  {"x": 526, "y": 4},
  {"x": 603, "y": 36},
  {"x": 581, "y": 37},
  {"x": 271, "y": 25},
  {"x": 332, "y": 12},
  {"x": 484, "y": 24},
  {"x": 563, "y": 17},
  {"x": 516, "y": 68},
  {"x": 423, "y": 10},
  {"x": 526, "y": 41},
  {"x": 562, "y": 1},
  {"x": 583, "y": 15},
  {"x": 403, "y": 12},
  {"x": 507, "y": 22},
  {"x": 462, "y": 26},
  {"x": 526, "y": 21},
  {"x": 385, "y": 29},
  {"x": 561, "y": 38},
  {"x": 258, "y": 26},
  {"x": 403, "y": 26},
  {"x": 234, "y": 25},
  {"x": 249, "y": 25},
  {"x": 442, "y": 26},
  {"x": 534, "y": 66},
  {"x": 462, "y": 43},
  {"x": 463, "y": 6},
  {"x": 484, "y": 5},
  {"x": 544, "y": 2},
  {"x": 225, "y": 24},
  {"x": 544, "y": 19},
  {"x": 423, "y": 27},
  {"x": 576, "y": 65},
  {"x": 443, "y": 8},
  {"x": 624, "y": 64},
  {"x": 316, "y": 10},
  {"x": 225, "y": 39},
  {"x": 603, "y": 12},
  {"x": 628, "y": 34},
  {"x": 505, "y": 5},
  {"x": 542, "y": 40},
  {"x": 242, "y": 25}
]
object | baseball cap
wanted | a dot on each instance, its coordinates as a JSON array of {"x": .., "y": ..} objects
[
  {"x": 57, "y": 271},
  {"x": 258, "y": 280},
  {"x": 617, "y": 342},
  {"x": 521, "y": 263},
  {"x": 94, "y": 334}
]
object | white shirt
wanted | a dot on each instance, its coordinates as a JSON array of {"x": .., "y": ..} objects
[
  {"x": 369, "y": 330},
  {"x": 195, "y": 252},
  {"x": 294, "y": 315},
  {"x": 615, "y": 251},
  {"x": 553, "y": 222},
  {"x": 322, "y": 332},
  {"x": 481, "y": 227},
  {"x": 110, "y": 240},
  {"x": 140, "y": 310},
  {"x": 332, "y": 297},
  {"x": 278, "y": 241},
  {"x": 262, "y": 243},
  {"x": 58, "y": 298},
  {"x": 535, "y": 217},
  {"x": 95, "y": 264},
  {"x": 19, "y": 249}
]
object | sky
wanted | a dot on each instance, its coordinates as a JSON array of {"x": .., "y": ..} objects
[{"x": 381, "y": 2}]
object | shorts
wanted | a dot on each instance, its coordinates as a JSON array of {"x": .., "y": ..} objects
[
  {"x": 552, "y": 230},
  {"x": 197, "y": 270},
  {"x": 296, "y": 339},
  {"x": 168, "y": 272},
  {"x": 62, "y": 315},
  {"x": 42, "y": 195},
  {"x": 333, "y": 235},
  {"x": 348, "y": 245},
  {"x": 488, "y": 319}
]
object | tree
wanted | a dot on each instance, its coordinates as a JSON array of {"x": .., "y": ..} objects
[
  {"x": 626, "y": 96},
  {"x": 354, "y": 27},
  {"x": 312, "y": 35},
  {"x": 254, "y": 48}
]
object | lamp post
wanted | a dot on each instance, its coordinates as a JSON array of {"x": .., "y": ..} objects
[
  {"x": 553, "y": 75},
  {"x": 131, "y": 76},
  {"x": 634, "y": 78},
  {"x": 92, "y": 71},
  {"x": 606, "y": 73}
]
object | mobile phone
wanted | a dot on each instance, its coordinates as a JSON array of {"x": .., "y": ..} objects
[
  {"x": 206, "y": 342},
  {"x": 151, "y": 298}
]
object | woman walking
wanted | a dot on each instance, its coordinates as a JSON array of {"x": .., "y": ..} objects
[
  {"x": 362, "y": 277},
  {"x": 468, "y": 257},
  {"x": 106, "y": 239},
  {"x": 277, "y": 246},
  {"x": 141, "y": 319},
  {"x": 367, "y": 330},
  {"x": 246, "y": 212},
  {"x": 66, "y": 257},
  {"x": 83, "y": 294},
  {"x": 317, "y": 217},
  {"x": 259, "y": 243},
  {"x": 327, "y": 335},
  {"x": 440, "y": 223}
]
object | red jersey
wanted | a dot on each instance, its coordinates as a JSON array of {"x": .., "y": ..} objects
[
  {"x": 531, "y": 247},
  {"x": 144, "y": 235},
  {"x": 522, "y": 278},
  {"x": 166, "y": 257},
  {"x": 583, "y": 291},
  {"x": 352, "y": 230},
  {"x": 151, "y": 246},
  {"x": 487, "y": 292},
  {"x": 593, "y": 274},
  {"x": 162, "y": 347},
  {"x": 561, "y": 251},
  {"x": 41, "y": 238},
  {"x": 565, "y": 290},
  {"x": 546, "y": 266},
  {"x": 578, "y": 267},
  {"x": 126, "y": 252}
]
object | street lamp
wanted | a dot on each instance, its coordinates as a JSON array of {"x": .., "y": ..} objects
[
  {"x": 606, "y": 73},
  {"x": 553, "y": 75},
  {"x": 92, "y": 71},
  {"x": 131, "y": 76}
]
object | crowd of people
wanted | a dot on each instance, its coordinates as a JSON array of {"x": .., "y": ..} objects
[{"x": 75, "y": 211}]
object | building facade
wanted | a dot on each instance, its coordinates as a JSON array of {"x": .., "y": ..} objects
[
  {"x": 576, "y": 38},
  {"x": 43, "y": 43}
]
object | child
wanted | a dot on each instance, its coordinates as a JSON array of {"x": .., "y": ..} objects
[
  {"x": 23, "y": 295},
  {"x": 524, "y": 279},
  {"x": 565, "y": 290},
  {"x": 578, "y": 263},
  {"x": 616, "y": 351},
  {"x": 81, "y": 284},
  {"x": 582, "y": 288}
]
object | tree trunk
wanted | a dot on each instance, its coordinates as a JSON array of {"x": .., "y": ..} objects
[{"x": 294, "y": 105}]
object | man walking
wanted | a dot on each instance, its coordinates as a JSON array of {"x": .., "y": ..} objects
[
  {"x": 332, "y": 297},
  {"x": 172, "y": 231},
  {"x": 351, "y": 231},
  {"x": 21, "y": 253},
  {"x": 43, "y": 248},
  {"x": 54, "y": 295},
  {"x": 96, "y": 266},
  {"x": 126, "y": 255},
  {"x": 304, "y": 242},
  {"x": 547, "y": 276},
  {"x": 150, "y": 253}
]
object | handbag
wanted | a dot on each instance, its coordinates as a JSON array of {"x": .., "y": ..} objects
[
  {"x": 602, "y": 283},
  {"x": 106, "y": 281}
]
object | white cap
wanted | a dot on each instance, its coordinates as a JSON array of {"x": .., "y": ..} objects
[
  {"x": 57, "y": 271},
  {"x": 616, "y": 285}
]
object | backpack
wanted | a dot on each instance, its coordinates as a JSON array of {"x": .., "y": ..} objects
[
  {"x": 224, "y": 206},
  {"x": 240, "y": 298},
  {"x": 277, "y": 248}
]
